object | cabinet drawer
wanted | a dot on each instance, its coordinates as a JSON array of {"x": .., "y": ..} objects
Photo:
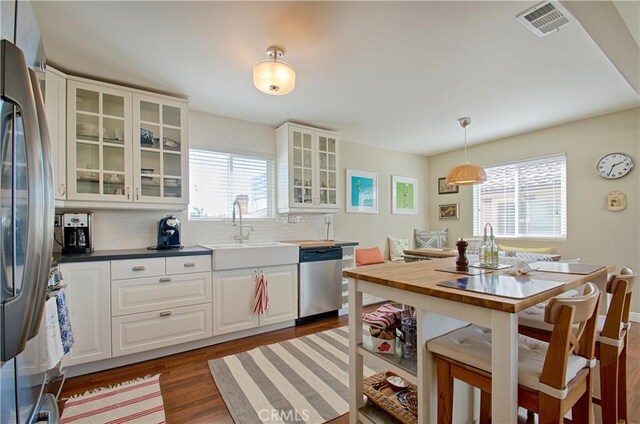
[
  {"x": 153, "y": 330},
  {"x": 158, "y": 293},
  {"x": 188, "y": 264},
  {"x": 137, "y": 268}
]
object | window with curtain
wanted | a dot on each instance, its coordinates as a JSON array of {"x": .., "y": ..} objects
[
  {"x": 217, "y": 179},
  {"x": 523, "y": 200}
]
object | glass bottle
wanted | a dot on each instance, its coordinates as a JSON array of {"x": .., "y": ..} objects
[{"x": 485, "y": 249}]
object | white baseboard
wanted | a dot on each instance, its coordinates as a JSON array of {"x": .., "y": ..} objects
[{"x": 634, "y": 316}]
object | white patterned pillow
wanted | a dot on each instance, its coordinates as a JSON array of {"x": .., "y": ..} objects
[
  {"x": 431, "y": 239},
  {"x": 397, "y": 247}
]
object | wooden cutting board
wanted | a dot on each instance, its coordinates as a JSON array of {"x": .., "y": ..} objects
[{"x": 311, "y": 243}]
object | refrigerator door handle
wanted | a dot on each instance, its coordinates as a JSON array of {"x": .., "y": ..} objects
[
  {"x": 48, "y": 217},
  {"x": 17, "y": 89}
]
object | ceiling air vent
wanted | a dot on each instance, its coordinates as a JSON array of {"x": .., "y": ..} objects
[{"x": 544, "y": 18}]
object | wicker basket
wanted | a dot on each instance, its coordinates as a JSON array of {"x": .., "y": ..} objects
[{"x": 379, "y": 392}]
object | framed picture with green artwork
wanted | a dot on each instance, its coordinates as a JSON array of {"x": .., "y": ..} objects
[
  {"x": 404, "y": 195},
  {"x": 362, "y": 191}
]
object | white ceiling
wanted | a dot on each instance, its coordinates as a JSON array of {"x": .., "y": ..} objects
[{"x": 390, "y": 74}]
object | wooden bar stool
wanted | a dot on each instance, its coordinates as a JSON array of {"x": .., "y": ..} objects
[
  {"x": 611, "y": 343},
  {"x": 552, "y": 377}
]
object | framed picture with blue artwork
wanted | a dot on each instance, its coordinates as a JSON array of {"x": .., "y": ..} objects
[
  {"x": 404, "y": 195},
  {"x": 362, "y": 191}
]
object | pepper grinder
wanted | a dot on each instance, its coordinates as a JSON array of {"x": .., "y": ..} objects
[{"x": 461, "y": 260}]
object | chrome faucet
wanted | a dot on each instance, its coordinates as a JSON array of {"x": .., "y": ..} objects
[{"x": 240, "y": 232}]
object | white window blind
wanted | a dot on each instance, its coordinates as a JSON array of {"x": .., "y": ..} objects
[
  {"x": 524, "y": 199},
  {"x": 217, "y": 179}
]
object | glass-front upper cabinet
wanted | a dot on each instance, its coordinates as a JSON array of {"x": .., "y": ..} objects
[
  {"x": 160, "y": 150},
  {"x": 327, "y": 170},
  {"x": 98, "y": 142},
  {"x": 308, "y": 170},
  {"x": 302, "y": 167}
]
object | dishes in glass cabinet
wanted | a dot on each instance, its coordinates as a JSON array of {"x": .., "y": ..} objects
[
  {"x": 171, "y": 144},
  {"x": 147, "y": 170},
  {"x": 88, "y": 177},
  {"x": 171, "y": 182}
]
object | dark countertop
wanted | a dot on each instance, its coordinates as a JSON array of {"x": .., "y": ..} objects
[
  {"x": 108, "y": 255},
  {"x": 346, "y": 243}
]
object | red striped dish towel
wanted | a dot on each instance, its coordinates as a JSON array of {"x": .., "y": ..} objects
[{"x": 261, "y": 303}]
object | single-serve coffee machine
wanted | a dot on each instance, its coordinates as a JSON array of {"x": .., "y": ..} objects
[
  {"x": 169, "y": 233},
  {"x": 77, "y": 234}
]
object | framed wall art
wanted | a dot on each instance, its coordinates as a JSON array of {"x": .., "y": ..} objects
[
  {"x": 404, "y": 195},
  {"x": 450, "y": 211},
  {"x": 444, "y": 188},
  {"x": 362, "y": 191}
]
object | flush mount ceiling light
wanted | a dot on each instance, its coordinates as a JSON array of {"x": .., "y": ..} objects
[
  {"x": 466, "y": 173},
  {"x": 273, "y": 76}
]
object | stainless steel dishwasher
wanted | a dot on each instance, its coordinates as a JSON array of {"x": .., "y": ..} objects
[{"x": 320, "y": 281}]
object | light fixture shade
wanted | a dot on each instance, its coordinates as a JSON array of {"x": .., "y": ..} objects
[
  {"x": 274, "y": 77},
  {"x": 466, "y": 174}
]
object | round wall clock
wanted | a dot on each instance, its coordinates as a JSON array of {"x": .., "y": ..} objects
[{"x": 614, "y": 165}]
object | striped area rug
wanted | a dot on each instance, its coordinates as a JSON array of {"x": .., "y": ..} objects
[
  {"x": 136, "y": 401},
  {"x": 299, "y": 380}
]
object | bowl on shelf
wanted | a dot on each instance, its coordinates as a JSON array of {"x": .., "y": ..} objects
[
  {"x": 396, "y": 382},
  {"x": 147, "y": 170},
  {"x": 171, "y": 182}
]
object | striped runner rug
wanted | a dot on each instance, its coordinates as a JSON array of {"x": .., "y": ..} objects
[
  {"x": 302, "y": 380},
  {"x": 136, "y": 401}
]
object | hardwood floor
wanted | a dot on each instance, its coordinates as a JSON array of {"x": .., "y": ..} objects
[{"x": 190, "y": 395}]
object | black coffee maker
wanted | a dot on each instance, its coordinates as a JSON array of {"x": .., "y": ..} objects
[
  {"x": 77, "y": 235},
  {"x": 169, "y": 233}
]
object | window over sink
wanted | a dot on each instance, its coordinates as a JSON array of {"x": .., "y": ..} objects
[
  {"x": 524, "y": 200},
  {"x": 217, "y": 179}
]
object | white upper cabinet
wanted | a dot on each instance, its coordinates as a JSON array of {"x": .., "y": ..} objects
[
  {"x": 124, "y": 146},
  {"x": 161, "y": 157},
  {"x": 307, "y": 170},
  {"x": 99, "y": 142}
]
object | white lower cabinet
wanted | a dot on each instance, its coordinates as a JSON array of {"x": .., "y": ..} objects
[
  {"x": 234, "y": 295},
  {"x": 153, "y": 330},
  {"x": 89, "y": 311},
  {"x": 155, "y": 293},
  {"x": 160, "y": 302}
]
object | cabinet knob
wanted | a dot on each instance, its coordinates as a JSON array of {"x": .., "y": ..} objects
[
  {"x": 189, "y": 264},
  {"x": 139, "y": 268},
  {"x": 137, "y": 193},
  {"x": 63, "y": 189},
  {"x": 165, "y": 279},
  {"x": 165, "y": 313},
  {"x": 128, "y": 193}
]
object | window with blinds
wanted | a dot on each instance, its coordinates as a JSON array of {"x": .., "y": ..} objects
[
  {"x": 218, "y": 179},
  {"x": 524, "y": 199}
]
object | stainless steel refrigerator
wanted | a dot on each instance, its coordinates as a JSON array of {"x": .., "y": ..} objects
[{"x": 26, "y": 212}]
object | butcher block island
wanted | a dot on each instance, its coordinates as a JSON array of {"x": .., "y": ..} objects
[{"x": 441, "y": 309}]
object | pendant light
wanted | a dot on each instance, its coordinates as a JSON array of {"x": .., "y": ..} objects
[
  {"x": 466, "y": 173},
  {"x": 273, "y": 76}
]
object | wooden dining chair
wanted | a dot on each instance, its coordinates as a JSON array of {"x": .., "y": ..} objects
[
  {"x": 552, "y": 377},
  {"x": 611, "y": 343}
]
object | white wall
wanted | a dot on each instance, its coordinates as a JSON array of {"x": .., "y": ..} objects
[
  {"x": 373, "y": 229},
  {"x": 595, "y": 234},
  {"x": 137, "y": 229}
]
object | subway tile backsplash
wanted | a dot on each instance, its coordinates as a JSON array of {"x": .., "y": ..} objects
[{"x": 137, "y": 229}]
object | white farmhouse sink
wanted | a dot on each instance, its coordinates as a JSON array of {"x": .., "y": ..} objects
[{"x": 250, "y": 255}]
